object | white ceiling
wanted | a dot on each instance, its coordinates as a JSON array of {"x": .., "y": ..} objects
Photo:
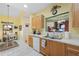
[{"x": 15, "y": 8}]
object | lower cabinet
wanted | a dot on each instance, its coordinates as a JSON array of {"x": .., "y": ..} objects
[
  {"x": 30, "y": 41},
  {"x": 44, "y": 47},
  {"x": 52, "y": 48},
  {"x": 72, "y": 50},
  {"x": 57, "y": 49}
]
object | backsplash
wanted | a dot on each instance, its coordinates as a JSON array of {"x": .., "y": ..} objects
[
  {"x": 60, "y": 35},
  {"x": 74, "y": 35}
]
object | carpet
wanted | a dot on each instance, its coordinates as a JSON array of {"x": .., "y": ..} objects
[{"x": 8, "y": 45}]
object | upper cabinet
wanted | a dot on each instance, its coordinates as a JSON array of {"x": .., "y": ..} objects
[
  {"x": 33, "y": 22},
  {"x": 75, "y": 15},
  {"x": 38, "y": 22}
]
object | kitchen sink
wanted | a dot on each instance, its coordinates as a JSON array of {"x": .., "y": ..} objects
[{"x": 49, "y": 37}]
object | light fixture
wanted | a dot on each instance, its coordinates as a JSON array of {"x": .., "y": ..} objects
[
  {"x": 8, "y": 10},
  {"x": 25, "y": 6},
  {"x": 54, "y": 9}
]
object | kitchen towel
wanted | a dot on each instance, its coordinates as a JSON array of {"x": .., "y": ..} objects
[{"x": 43, "y": 43}]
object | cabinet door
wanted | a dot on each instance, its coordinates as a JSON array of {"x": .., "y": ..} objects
[
  {"x": 75, "y": 13},
  {"x": 44, "y": 50},
  {"x": 30, "y": 41},
  {"x": 72, "y": 50},
  {"x": 38, "y": 22},
  {"x": 34, "y": 22},
  {"x": 57, "y": 49}
]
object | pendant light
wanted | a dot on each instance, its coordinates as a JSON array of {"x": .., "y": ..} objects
[
  {"x": 8, "y": 21},
  {"x": 8, "y": 10}
]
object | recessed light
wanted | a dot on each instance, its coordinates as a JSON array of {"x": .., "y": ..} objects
[{"x": 25, "y": 6}]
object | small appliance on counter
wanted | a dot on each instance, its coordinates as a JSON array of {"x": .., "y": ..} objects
[
  {"x": 34, "y": 31},
  {"x": 38, "y": 32}
]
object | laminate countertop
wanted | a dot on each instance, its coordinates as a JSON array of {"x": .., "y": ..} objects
[{"x": 66, "y": 41}]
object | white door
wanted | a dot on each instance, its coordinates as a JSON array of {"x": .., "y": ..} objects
[{"x": 25, "y": 33}]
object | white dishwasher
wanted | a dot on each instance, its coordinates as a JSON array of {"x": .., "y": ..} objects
[{"x": 36, "y": 43}]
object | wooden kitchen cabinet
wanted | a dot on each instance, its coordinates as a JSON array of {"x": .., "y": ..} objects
[
  {"x": 34, "y": 22},
  {"x": 30, "y": 41},
  {"x": 45, "y": 50},
  {"x": 72, "y": 50},
  {"x": 53, "y": 48},
  {"x": 75, "y": 15},
  {"x": 57, "y": 49},
  {"x": 38, "y": 22}
]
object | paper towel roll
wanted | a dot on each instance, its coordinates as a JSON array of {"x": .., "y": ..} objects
[{"x": 66, "y": 35}]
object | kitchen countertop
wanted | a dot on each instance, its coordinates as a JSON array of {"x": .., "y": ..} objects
[{"x": 66, "y": 41}]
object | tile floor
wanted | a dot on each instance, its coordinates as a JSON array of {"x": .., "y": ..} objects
[{"x": 22, "y": 50}]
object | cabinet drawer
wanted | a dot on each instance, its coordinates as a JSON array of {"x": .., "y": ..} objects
[
  {"x": 73, "y": 47},
  {"x": 72, "y": 50}
]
